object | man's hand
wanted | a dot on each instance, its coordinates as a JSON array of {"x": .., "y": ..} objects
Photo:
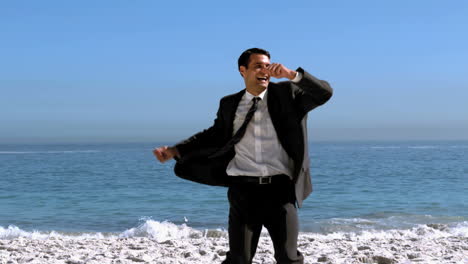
[
  {"x": 278, "y": 70},
  {"x": 165, "y": 153}
]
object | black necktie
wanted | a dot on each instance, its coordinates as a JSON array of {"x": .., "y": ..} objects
[{"x": 240, "y": 132}]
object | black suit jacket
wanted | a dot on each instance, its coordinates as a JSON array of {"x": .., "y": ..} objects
[{"x": 288, "y": 105}]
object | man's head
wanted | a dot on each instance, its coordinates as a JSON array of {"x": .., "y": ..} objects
[
  {"x": 253, "y": 65},
  {"x": 245, "y": 56}
]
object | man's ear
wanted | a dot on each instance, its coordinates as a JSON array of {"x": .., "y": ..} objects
[{"x": 242, "y": 70}]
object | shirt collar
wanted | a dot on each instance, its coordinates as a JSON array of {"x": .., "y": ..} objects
[{"x": 249, "y": 96}]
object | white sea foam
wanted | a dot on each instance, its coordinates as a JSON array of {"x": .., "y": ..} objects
[
  {"x": 13, "y": 232},
  {"x": 162, "y": 231},
  {"x": 155, "y": 230},
  {"x": 461, "y": 229}
]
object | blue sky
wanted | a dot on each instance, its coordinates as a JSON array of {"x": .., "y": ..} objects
[{"x": 127, "y": 71}]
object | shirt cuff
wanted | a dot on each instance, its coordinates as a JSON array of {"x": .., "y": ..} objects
[{"x": 298, "y": 77}]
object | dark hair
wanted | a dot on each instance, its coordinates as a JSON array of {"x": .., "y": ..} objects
[{"x": 244, "y": 58}]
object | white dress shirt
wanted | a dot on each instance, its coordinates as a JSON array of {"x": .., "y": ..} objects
[{"x": 259, "y": 152}]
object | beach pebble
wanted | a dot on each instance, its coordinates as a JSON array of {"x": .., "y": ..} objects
[
  {"x": 363, "y": 248},
  {"x": 74, "y": 260},
  {"x": 413, "y": 255},
  {"x": 383, "y": 260},
  {"x": 135, "y": 259},
  {"x": 322, "y": 259}
]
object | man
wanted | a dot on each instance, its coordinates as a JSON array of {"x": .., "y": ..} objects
[{"x": 262, "y": 132}]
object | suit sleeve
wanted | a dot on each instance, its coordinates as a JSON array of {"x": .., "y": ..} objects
[
  {"x": 207, "y": 138},
  {"x": 310, "y": 92}
]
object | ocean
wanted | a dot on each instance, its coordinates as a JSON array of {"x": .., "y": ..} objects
[{"x": 121, "y": 190}]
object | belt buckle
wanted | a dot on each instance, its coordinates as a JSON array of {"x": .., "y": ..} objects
[{"x": 264, "y": 180}]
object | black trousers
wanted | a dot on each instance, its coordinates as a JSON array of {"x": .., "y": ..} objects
[{"x": 253, "y": 206}]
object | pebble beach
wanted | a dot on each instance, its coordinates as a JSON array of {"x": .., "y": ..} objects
[{"x": 424, "y": 244}]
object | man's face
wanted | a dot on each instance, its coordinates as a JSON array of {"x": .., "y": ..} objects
[{"x": 256, "y": 75}]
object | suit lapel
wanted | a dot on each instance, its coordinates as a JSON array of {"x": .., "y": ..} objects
[
  {"x": 288, "y": 132},
  {"x": 229, "y": 113}
]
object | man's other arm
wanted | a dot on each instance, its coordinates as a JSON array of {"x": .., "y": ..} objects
[{"x": 310, "y": 92}]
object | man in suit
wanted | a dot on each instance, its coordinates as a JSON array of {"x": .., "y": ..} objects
[{"x": 262, "y": 133}]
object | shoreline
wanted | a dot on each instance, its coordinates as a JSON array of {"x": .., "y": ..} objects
[{"x": 424, "y": 244}]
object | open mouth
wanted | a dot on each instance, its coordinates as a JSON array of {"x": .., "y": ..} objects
[{"x": 262, "y": 79}]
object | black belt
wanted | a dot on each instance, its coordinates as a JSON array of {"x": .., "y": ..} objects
[{"x": 275, "y": 179}]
